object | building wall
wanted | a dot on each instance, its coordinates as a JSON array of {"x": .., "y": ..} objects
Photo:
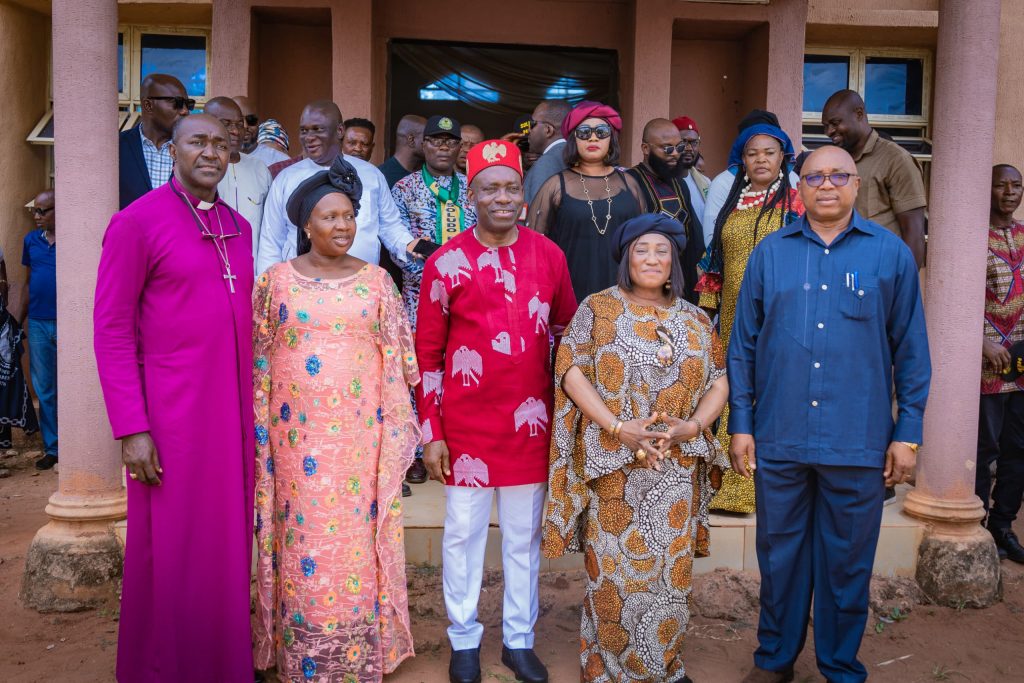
[
  {"x": 294, "y": 68},
  {"x": 1009, "y": 144},
  {"x": 24, "y": 61},
  {"x": 707, "y": 86}
]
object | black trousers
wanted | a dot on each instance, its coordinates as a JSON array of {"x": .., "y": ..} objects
[{"x": 1001, "y": 440}]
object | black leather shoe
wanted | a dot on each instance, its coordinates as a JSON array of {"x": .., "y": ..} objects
[
  {"x": 417, "y": 472},
  {"x": 46, "y": 462},
  {"x": 464, "y": 666},
  {"x": 406, "y": 490},
  {"x": 1007, "y": 541},
  {"x": 524, "y": 664}
]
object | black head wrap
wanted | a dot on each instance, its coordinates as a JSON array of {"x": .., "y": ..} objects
[
  {"x": 341, "y": 177},
  {"x": 643, "y": 224}
]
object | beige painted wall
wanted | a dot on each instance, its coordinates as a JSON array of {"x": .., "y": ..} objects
[
  {"x": 24, "y": 61},
  {"x": 294, "y": 69},
  {"x": 707, "y": 86},
  {"x": 1009, "y": 144}
]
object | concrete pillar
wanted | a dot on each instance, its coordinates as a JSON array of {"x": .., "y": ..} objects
[
  {"x": 957, "y": 561},
  {"x": 650, "y": 73},
  {"x": 230, "y": 47},
  {"x": 352, "y": 48},
  {"x": 74, "y": 560},
  {"x": 785, "y": 87}
]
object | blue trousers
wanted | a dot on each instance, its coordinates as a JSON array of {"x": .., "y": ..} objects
[
  {"x": 42, "y": 345},
  {"x": 817, "y": 529}
]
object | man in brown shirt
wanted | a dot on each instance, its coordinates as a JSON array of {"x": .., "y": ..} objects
[{"x": 892, "y": 188}]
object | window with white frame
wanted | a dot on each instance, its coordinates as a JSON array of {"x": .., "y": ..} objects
[{"x": 895, "y": 84}]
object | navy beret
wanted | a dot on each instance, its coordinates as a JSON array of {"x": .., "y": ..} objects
[{"x": 641, "y": 225}]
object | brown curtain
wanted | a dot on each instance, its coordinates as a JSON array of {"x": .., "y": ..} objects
[{"x": 521, "y": 77}]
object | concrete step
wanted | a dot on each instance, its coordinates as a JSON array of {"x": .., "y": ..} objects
[{"x": 732, "y": 537}]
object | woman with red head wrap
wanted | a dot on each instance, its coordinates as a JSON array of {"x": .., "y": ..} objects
[{"x": 580, "y": 207}]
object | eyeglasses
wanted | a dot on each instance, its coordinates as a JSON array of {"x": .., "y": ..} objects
[
  {"x": 251, "y": 120},
  {"x": 837, "y": 179},
  {"x": 443, "y": 142},
  {"x": 179, "y": 103},
  {"x": 232, "y": 125},
  {"x": 37, "y": 211},
  {"x": 601, "y": 130}
]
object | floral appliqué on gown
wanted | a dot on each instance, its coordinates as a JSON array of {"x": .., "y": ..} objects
[{"x": 335, "y": 433}]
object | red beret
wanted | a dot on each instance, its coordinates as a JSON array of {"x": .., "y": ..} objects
[
  {"x": 686, "y": 123},
  {"x": 493, "y": 153}
]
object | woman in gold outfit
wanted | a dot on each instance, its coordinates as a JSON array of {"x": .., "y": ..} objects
[
  {"x": 761, "y": 201},
  {"x": 638, "y": 377}
]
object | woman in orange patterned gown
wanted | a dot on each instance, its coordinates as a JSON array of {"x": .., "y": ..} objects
[
  {"x": 639, "y": 378},
  {"x": 335, "y": 434}
]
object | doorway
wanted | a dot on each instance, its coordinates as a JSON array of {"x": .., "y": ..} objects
[
  {"x": 294, "y": 60},
  {"x": 492, "y": 85}
]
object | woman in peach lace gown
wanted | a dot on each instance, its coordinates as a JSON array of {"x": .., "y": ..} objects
[{"x": 335, "y": 434}]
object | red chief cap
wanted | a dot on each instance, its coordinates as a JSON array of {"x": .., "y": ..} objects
[
  {"x": 493, "y": 153},
  {"x": 686, "y": 123}
]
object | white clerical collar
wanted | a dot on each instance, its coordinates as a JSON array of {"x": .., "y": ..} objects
[{"x": 204, "y": 205}]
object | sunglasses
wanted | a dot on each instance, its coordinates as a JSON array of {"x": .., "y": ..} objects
[
  {"x": 251, "y": 120},
  {"x": 178, "y": 102},
  {"x": 40, "y": 211},
  {"x": 837, "y": 179},
  {"x": 601, "y": 130}
]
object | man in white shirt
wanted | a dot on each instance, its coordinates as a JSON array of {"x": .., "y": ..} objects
[
  {"x": 247, "y": 181},
  {"x": 378, "y": 221}
]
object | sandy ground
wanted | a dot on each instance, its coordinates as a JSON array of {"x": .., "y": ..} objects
[{"x": 928, "y": 644}]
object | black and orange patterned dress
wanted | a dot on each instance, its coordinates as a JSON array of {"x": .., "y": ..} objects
[{"x": 639, "y": 528}]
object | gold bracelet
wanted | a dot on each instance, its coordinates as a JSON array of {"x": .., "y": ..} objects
[
  {"x": 616, "y": 428},
  {"x": 700, "y": 423}
]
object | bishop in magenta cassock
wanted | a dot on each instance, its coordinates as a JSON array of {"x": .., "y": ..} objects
[
  {"x": 492, "y": 298},
  {"x": 174, "y": 351}
]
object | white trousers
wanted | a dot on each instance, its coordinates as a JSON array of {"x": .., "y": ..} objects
[{"x": 520, "y": 511}]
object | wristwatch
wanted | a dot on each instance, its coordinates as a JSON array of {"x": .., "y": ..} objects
[{"x": 911, "y": 446}]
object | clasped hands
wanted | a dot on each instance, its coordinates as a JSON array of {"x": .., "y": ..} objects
[{"x": 651, "y": 446}]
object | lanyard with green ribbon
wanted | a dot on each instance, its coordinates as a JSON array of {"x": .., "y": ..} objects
[{"x": 449, "y": 213}]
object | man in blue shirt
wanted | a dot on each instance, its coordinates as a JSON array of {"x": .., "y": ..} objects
[
  {"x": 828, "y": 317},
  {"x": 39, "y": 256}
]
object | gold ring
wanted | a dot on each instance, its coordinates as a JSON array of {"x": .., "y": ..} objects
[
  {"x": 640, "y": 454},
  {"x": 133, "y": 475}
]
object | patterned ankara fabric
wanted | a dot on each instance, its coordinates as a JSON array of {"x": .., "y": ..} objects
[
  {"x": 483, "y": 343},
  {"x": 417, "y": 207},
  {"x": 738, "y": 242},
  {"x": 335, "y": 435},
  {"x": 639, "y": 529},
  {"x": 1004, "y": 300}
]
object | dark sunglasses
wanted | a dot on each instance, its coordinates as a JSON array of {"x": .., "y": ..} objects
[
  {"x": 601, "y": 130},
  {"x": 40, "y": 211},
  {"x": 681, "y": 147},
  {"x": 251, "y": 120},
  {"x": 178, "y": 102},
  {"x": 837, "y": 179}
]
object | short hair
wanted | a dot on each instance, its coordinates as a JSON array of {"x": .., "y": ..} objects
[
  {"x": 1000, "y": 167},
  {"x": 571, "y": 155},
  {"x": 556, "y": 110},
  {"x": 360, "y": 123},
  {"x": 677, "y": 281}
]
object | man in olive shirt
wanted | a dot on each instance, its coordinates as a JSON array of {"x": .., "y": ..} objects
[{"x": 892, "y": 188}]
